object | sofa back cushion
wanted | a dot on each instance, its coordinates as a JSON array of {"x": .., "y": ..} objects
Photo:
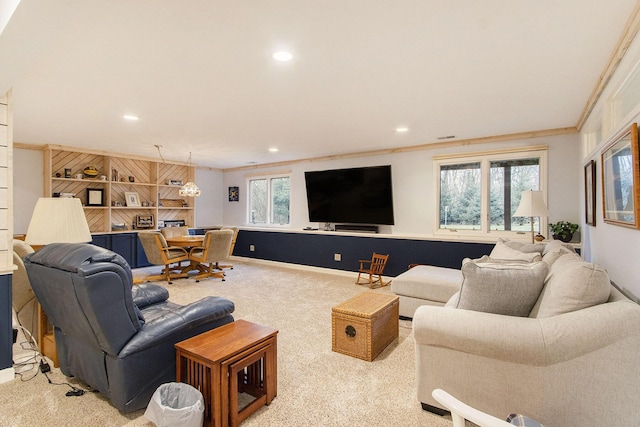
[
  {"x": 572, "y": 284},
  {"x": 502, "y": 251},
  {"x": 523, "y": 246},
  {"x": 502, "y": 288}
]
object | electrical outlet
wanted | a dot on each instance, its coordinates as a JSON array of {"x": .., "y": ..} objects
[
  {"x": 252, "y": 248},
  {"x": 337, "y": 257}
]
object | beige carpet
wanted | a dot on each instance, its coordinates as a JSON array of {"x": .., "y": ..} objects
[{"x": 316, "y": 387}]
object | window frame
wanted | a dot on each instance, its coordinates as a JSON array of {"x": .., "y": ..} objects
[
  {"x": 485, "y": 158},
  {"x": 268, "y": 177}
]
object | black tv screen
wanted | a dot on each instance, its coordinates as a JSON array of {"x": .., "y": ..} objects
[{"x": 355, "y": 196}]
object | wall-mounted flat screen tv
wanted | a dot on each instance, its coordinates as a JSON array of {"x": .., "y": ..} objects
[{"x": 354, "y": 196}]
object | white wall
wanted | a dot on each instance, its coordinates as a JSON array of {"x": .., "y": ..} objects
[
  {"x": 613, "y": 247},
  {"x": 28, "y": 181},
  {"x": 413, "y": 188},
  {"x": 209, "y": 205}
]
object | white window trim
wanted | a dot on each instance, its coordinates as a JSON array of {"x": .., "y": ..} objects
[
  {"x": 484, "y": 158},
  {"x": 268, "y": 176}
]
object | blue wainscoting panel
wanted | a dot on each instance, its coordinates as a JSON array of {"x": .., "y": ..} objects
[
  {"x": 318, "y": 250},
  {"x": 6, "y": 330}
]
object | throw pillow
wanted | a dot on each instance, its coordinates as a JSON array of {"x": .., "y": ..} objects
[
  {"x": 552, "y": 256},
  {"x": 572, "y": 284},
  {"x": 554, "y": 245},
  {"x": 523, "y": 246},
  {"x": 503, "y": 252},
  {"x": 502, "y": 288}
]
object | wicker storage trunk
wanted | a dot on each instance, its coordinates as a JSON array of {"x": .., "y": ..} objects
[{"x": 364, "y": 325}]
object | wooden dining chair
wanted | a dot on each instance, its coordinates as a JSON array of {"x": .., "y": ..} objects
[
  {"x": 158, "y": 252},
  {"x": 373, "y": 269},
  {"x": 233, "y": 244},
  {"x": 169, "y": 232},
  {"x": 215, "y": 248}
]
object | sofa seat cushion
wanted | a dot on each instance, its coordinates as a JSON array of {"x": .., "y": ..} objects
[
  {"x": 572, "y": 284},
  {"x": 428, "y": 282},
  {"x": 501, "y": 288}
]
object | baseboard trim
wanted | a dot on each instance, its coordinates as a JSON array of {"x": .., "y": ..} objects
[
  {"x": 7, "y": 374},
  {"x": 434, "y": 410},
  {"x": 345, "y": 273}
]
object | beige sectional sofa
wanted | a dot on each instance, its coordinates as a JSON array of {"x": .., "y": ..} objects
[
  {"x": 571, "y": 357},
  {"x": 425, "y": 285}
]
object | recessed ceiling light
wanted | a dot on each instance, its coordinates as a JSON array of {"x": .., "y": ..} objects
[
  {"x": 131, "y": 117},
  {"x": 273, "y": 150},
  {"x": 283, "y": 56},
  {"x": 402, "y": 129}
]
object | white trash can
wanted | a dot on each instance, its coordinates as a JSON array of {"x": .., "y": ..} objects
[{"x": 176, "y": 404}]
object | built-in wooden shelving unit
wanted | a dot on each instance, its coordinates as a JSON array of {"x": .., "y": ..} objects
[{"x": 117, "y": 176}]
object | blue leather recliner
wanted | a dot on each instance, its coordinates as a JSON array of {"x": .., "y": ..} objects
[{"x": 116, "y": 338}]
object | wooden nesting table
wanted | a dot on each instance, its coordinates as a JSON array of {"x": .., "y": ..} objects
[
  {"x": 365, "y": 325},
  {"x": 237, "y": 358}
]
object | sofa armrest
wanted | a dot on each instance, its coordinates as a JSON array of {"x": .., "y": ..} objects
[
  {"x": 523, "y": 340},
  {"x": 147, "y": 294},
  {"x": 508, "y": 338},
  {"x": 167, "y": 319}
]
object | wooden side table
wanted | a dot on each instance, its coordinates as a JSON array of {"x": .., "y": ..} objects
[
  {"x": 46, "y": 337},
  {"x": 239, "y": 358}
]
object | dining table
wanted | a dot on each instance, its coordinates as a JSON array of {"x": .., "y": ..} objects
[{"x": 188, "y": 242}]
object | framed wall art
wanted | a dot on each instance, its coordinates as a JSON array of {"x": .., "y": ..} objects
[
  {"x": 95, "y": 197},
  {"x": 132, "y": 199},
  {"x": 590, "y": 193},
  {"x": 234, "y": 194},
  {"x": 621, "y": 179}
]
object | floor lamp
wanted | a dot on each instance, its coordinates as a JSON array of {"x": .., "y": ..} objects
[{"x": 532, "y": 205}]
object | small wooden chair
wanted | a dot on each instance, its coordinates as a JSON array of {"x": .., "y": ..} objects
[{"x": 373, "y": 267}]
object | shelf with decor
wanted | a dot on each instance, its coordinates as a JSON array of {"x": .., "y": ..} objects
[{"x": 119, "y": 192}]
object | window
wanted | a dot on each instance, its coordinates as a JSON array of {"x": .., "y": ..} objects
[
  {"x": 478, "y": 193},
  {"x": 269, "y": 200}
]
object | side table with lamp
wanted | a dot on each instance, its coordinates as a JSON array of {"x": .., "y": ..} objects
[
  {"x": 532, "y": 205},
  {"x": 55, "y": 220}
]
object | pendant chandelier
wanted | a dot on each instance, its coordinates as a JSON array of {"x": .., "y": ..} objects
[{"x": 190, "y": 189}]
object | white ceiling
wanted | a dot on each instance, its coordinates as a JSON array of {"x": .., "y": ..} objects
[{"x": 200, "y": 76}]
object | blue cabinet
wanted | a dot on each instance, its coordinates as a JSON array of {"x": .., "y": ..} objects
[{"x": 125, "y": 244}]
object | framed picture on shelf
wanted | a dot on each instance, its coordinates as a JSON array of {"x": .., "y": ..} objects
[
  {"x": 590, "y": 192},
  {"x": 132, "y": 198},
  {"x": 621, "y": 179},
  {"x": 95, "y": 197}
]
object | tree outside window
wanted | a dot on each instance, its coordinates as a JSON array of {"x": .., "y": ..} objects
[
  {"x": 269, "y": 200},
  {"x": 480, "y": 193}
]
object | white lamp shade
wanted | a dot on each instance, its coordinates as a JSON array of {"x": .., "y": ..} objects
[
  {"x": 58, "y": 220},
  {"x": 532, "y": 204}
]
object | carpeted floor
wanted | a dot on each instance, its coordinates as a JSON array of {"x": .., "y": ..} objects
[{"x": 316, "y": 387}]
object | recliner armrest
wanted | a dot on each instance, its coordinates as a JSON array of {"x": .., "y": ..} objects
[
  {"x": 147, "y": 294},
  {"x": 167, "y": 319}
]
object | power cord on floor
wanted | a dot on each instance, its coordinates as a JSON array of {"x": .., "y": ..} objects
[
  {"x": 75, "y": 391},
  {"x": 31, "y": 361}
]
